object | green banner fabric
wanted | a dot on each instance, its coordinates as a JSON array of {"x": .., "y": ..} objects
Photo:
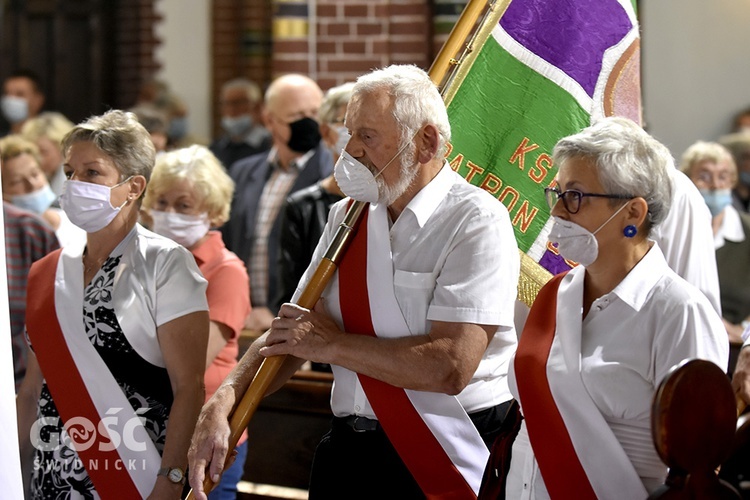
[{"x": 543, "y": 69}]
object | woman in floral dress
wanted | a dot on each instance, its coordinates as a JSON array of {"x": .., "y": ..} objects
[{"x": 118, "y": 330}]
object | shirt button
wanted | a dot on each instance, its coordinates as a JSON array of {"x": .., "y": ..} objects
[{"x": 357, "y": 407}]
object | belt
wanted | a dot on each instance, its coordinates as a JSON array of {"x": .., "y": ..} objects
[{"x": 358, "y": 423}]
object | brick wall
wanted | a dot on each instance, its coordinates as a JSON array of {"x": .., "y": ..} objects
[
  {"x": 352, "y": 37},
  {"x": 261, "y": 39}
]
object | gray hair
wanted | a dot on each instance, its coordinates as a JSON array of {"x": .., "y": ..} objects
[
  {"x": 333, "y": 100},
  {"x": 701, "y": 151},
  {"x": 628, "y": 160},
  {"x": 416, "y": 100},
  {"x": 119, "y": 135},
  {"x": 252, "y": 90}
]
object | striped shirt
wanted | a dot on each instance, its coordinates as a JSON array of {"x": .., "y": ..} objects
[
  {"x": 275, "y": 191},
  {"x": 27, "y": 239}
]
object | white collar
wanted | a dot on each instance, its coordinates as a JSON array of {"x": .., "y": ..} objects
[
  {"x": 731, "y": 228},
  {"x": 636, "y": 286},
  {"x": 426, "y": 201}
]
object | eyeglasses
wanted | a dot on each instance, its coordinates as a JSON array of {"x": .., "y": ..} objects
[{"x": 572, "y": 198}]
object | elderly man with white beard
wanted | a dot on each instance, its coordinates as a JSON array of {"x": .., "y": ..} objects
[{"x": 417, "y": 322}]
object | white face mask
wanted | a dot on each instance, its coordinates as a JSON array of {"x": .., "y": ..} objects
[
  {"x": 88, "y": 205},
  {"x": 15, "y": 109},
  {"x": 356, "y": 180},
  {"x": 577, "y": 243},
  {"x": 37, "y": 201},
  {"x": 184, "y": 229}
]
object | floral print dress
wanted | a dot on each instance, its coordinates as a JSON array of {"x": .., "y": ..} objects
[{"x": 57, "y": 471}]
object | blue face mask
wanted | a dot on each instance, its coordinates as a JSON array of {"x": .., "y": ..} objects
[
  {"x": 237, "y": 126},
  {"x": 15, "y": 109},
  {"x": 177, "y": 128},
  {"x": 716, "y": 199},
  {"x": 37, "y": 201}
]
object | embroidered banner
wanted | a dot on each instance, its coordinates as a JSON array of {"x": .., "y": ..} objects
[{"x": 539, "y": 71}]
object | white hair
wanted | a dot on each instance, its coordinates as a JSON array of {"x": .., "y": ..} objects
[
  {"x": 628, "y": 160},
  {"x": 416, "y": 100},
  {"x": 334, "y": 98}
]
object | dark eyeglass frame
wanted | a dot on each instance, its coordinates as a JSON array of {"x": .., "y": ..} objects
[{"x": 574, "y": 196}]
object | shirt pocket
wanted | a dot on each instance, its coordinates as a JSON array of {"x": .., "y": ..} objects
[{"x": 414, "y": 293}]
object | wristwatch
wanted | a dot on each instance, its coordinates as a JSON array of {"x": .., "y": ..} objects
[{"x": 174, "y": 474}]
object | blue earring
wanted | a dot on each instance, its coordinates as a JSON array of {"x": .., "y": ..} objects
[{"x": 630, "y": 231}]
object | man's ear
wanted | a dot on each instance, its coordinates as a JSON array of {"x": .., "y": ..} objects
[
  {"x": 427, "y": 143},
  {"x": 266, "y": 116}
]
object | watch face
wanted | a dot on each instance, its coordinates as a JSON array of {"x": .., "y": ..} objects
[{"x": 175, "y": 475}]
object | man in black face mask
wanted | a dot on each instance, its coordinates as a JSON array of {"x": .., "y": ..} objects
[{"x": 297, "y": 160}]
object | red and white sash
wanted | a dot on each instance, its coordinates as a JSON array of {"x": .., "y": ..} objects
[
  {"x": 577, "y": 453},
  {"x": 110, "y": 438},
  {"x": 431, "y": 432}
]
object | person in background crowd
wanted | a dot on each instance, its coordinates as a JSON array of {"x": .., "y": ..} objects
[
  {"x": 306, "y": 211},
  {"x": 241, "y": 119},
  {"x": 118, "y": 328},
  {"x": 684, "y": 237},
  {"x": 25, "y": 185},
  {"x": 711, "y": 167},
  {"x": 417, "y": 323},
  {"x": 28, "y": 238},
  {"x": 159, "y": 95},
  {"x": 739, "y": 145},
  {"x": 178, "y": 130},
  {"x": 599, "y": 339},
  {"x": 188, "y": 194},
  {"x": 22, "y": 98},
  {"x": 47, "y": 130},
  {"x": 155, "y": 123},
  {"x": 741, "y": 122},
  {"x": 297, "y": 160}
]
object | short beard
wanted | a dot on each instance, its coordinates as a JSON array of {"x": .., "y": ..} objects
[{"x": 407, "y": 173}]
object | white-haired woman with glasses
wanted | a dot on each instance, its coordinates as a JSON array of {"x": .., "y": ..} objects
[{"x": 600, "y": 338}]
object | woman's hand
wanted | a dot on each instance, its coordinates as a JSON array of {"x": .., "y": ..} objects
[{"x": 183, "y": 345}]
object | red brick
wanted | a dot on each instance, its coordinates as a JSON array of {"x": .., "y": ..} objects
[
  {"x": 353, "y": 64},
  {"x": 354, "y": 47},
  {"x": 369, "y": 28},
  {"x": 356, "y": 10},
  {"x": 410, "y": 47},
  {"x": 380, "y": 11},
  {"x": 379, "y": 47},
  {"x": 413, "y": 9},
  {"x": 292, "y": 66},
  {"x": 326, "y": 10},
  {"x": 326, "y": 47},
  {"x": 290, "y": 46},
  {"x": 407, "y": 28},
  {"x": 337, "y": 29}
]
